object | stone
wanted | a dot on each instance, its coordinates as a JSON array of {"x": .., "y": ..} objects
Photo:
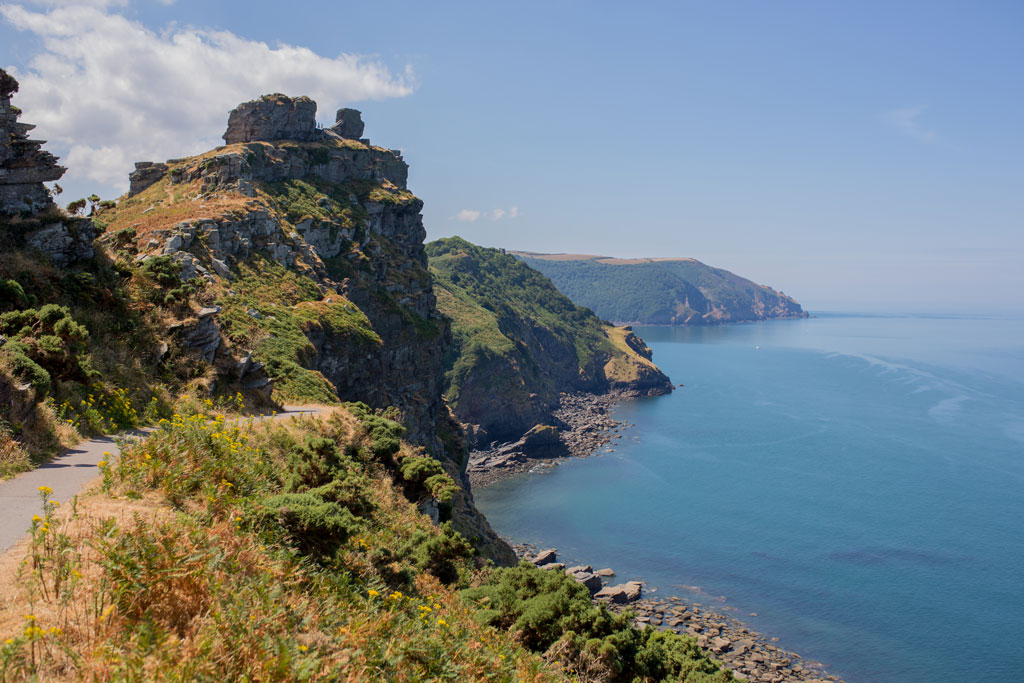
[
  {"x": 622, "y": 593},
  {"x": 146, "y": 173},
  {"x": 24, "y": 165},
  {"x": 544, "y": 557},
  {"x": 220, "y": 268},
  {"x": 580, "y": 568},
  {"x": 552, "y": 565},
  {"x": 720, "y": 644},
  {"x": 348, "y": 124},
  {"x": 591, "y": 581},
  {"x": 271, "y": 118},
  {"x": 605, "y": 572}
]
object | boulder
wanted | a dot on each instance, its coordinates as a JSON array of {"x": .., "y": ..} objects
[
  {"x": 580, "y": 568},
  {"x": 544, "y": 557},
  {"x": 349, "y": 124},
  {"x": 605, "y": 572},
  {"x": 622, "y": 593},
  {"x": 591, "y": 581},
  {"x": 552, "y": 565}
]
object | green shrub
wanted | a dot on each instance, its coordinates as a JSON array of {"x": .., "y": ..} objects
[
  {"x": 441, "y": 555},
  {"x": 16, "y": 356},
  {"x": 12, "y": 294},
  {"x": 314, "y": 525},
  {"x": 385, "y": 433},
  {"x": 549, "y": 612}
]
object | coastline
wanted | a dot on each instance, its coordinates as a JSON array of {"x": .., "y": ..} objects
[
  {"x": 750, "y": 655},
  {"x": 589, "y": 429},
  {"x": 586, "y": 426}
]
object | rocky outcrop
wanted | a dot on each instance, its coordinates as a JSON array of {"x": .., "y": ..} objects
[
  {"x": 145, "y": 174},
  {"x": 271, "y": 118},
  {"x": 348, "y": 124},
  {"x": 335, "y": 210},
  {"x": 24, "y": 167}
]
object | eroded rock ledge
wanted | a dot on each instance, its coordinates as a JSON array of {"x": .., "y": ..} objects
[{"x": 24, "y": 167}]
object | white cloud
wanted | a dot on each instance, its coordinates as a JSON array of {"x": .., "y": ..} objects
[
  {"x": 467, "y": 216},
  {"x": 111, "y": 91},
  {"x": 473, "y": 215},
  {"x": 86, "y": 3},
  {"x": 906, "y": 121}
]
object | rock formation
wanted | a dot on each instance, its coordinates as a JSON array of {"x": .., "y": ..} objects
[
  {"x": 273, "y": 117},
  {"x": 145, "y": 174},
  {"x": 24, "y": 167},
  {"x": 349, "y": 124},
  {"x": 286, "y": 196}
]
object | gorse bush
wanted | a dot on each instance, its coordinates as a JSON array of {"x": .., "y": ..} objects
[
  {"x": 549, "y": 612},
  {"x": 43, "y": 344}
]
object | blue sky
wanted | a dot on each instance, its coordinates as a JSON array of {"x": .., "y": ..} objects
[{"x": 863, "y": 155}]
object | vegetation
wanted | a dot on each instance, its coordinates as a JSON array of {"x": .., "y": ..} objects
[
  {"x": 681, "y": 291},
  {"x": 517, "y": 341},
  {"x": 248, "y": 551},
  {"x": 274, "y": 311},
  {"x": 82, "y": 342}
]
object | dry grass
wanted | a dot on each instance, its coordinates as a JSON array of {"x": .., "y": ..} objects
[{"x": 116, "y": 588}]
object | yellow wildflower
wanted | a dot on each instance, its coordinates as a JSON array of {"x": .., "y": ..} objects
[
  {"x": 36, "y": 518},
  {"x": 101, "y": 463},
  {"x": 9, "y": 641},
  {"x": 302, "y": 648},
  {"x": 46, "y": 490},
  {"x": 372, "y": 593},
  {"x": 442, "y": 622}
]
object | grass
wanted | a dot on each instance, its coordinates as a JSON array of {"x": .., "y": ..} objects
[
  {"x": 291, "y": 308},
  {"x": 200, "y": 582},
  {"x": 199, "y": 560}
]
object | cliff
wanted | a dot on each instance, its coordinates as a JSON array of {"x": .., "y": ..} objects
[
  {"x": 286, "y": 266},
  {"x": 661, "y": 291},
  {"x": 519, "y": 344}
]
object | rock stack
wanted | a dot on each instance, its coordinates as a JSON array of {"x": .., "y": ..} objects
[{"x": 24, "y": 166}]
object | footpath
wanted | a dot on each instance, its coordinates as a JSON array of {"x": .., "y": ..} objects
[{"x": 67, "y": 475}]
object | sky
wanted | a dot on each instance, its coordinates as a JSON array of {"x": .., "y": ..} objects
[{"x": 863, "y": 156}]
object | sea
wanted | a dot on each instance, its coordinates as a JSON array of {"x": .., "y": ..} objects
[{"x": 855, "y": 481}]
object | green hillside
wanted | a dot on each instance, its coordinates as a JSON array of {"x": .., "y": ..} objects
[
  {"x": 661, "y": 291},
  {"x": 518, "y": 342}
]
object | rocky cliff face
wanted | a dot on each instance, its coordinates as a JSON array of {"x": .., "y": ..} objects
[
  {"x": 28, "y": 216},
  {"x": 520, "y": 344},
  {"x": 313, "y": 247}
]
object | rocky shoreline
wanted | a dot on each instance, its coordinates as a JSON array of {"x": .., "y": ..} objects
[
  {"x": 751, "y": 656},
  {"x": 584, "y": 424}
]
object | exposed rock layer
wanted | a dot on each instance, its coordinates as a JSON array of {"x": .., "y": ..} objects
[
  {"x": 24, "y": 167},
  {"x": 336, "y": 211}
]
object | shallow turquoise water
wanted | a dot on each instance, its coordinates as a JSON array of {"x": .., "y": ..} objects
[{"x": 856, "y": 481}]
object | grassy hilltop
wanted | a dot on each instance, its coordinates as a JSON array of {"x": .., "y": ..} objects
[
  {"x": 518, "y": 342},
  {"x": 661, "y": 291}
]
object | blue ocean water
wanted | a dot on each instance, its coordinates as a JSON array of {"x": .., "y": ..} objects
[{"x": 857, "y": 481}]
